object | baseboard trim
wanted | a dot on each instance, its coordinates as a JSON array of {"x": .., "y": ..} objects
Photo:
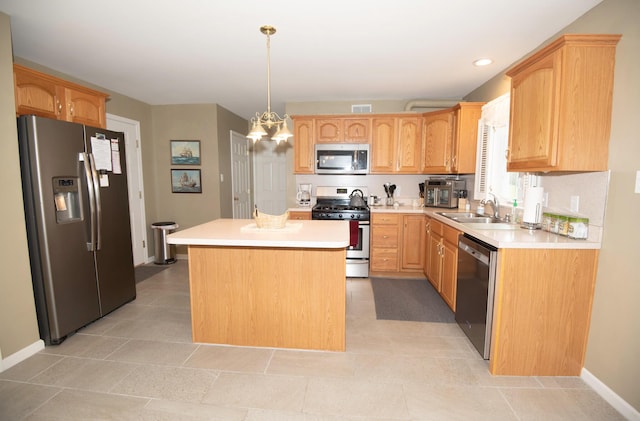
[
  {"x": 622, "y": 406},
  {"x": 23, "y": 354}
]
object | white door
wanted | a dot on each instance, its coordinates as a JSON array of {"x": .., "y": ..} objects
[
  {"x": 240, "y": 176},
  {"x": 270, "y": 176},
  {"x": 131, "y": 129}
]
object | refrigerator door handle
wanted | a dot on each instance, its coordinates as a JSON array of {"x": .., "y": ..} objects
[
  {"x": 90, "y": 189},
  {"x": 96, "y": 187}
]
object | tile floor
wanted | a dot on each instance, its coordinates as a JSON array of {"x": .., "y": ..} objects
[{"x": 139, "y": 363}]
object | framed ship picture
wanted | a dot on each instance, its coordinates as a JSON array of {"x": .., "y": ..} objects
[
  {"x": 185, "y": 152},
  {"x": 185, "y": 181}
]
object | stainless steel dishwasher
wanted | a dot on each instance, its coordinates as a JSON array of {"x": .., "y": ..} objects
[{"x": 475, "y": 291}]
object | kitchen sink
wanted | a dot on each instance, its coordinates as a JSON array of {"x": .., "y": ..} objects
[{"x": 477, "y": 221}]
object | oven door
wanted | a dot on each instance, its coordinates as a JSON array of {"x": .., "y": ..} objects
[{"x": 361, "y": 250}]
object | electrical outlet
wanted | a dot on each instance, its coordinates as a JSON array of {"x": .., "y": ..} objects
[
  {"x": 637, "y": 181},
  {"x": 575, "y": 204}
]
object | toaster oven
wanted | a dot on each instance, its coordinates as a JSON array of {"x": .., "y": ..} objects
[{"x": 442, "y": 192}]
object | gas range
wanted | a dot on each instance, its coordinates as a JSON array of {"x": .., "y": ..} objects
[{"x": 334, "y": 203}]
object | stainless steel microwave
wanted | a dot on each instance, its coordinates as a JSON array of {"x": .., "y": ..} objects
[
  {"x": 442, "y": 193},
  {"x": 342, "y": 158}
]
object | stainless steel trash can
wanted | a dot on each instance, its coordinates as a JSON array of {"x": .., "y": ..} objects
[{"x": 165, "y": 254}]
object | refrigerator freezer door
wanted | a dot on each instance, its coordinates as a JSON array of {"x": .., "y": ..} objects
[
  {"x": 114, "y": 258},
  {"x": 62, "y": 266}
]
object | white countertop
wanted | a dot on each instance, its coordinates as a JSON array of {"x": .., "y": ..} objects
[
  {"x": 243, "y": 233},
  {"x": 514, "y": 237}
]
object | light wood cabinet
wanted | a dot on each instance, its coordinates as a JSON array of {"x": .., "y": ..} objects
[
  {"x": 385, "y": 242},
  {"x": 383, "y": 145},
  {"x": 343, "y": 130},
  {"x": 438, "y": 130},
  {"x": 450, "y": 139},
  {"x": 303, "y": 146},
  {"x": 397, "y": 243},
  {"x": 413, "y": 242},
  {"x": 561, "y": 106},
  {"x": 396, "y": 145},
  {"x": 441, "y": 257},
  {"x": 47, "y": 96},
  {"x": 542, "y": 309},
  {"x": 300, "y": 216},
  {"x": 465, "y": 137}
]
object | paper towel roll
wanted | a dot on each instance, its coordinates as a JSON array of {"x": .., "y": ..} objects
[{"x": 533, "y": 205}]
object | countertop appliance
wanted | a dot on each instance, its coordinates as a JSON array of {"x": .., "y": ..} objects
[
  {"x": 342, "y": 158},
  {"x": 334, "y": 203},
  {"x": 442, "y": 192},
  {"x": 475, "y": 291},
  {"x": 303, "y": 196},
  {"x": 77, "y": 216}
]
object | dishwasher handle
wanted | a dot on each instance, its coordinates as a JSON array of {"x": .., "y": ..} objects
[{"x": 483, "y": 258}]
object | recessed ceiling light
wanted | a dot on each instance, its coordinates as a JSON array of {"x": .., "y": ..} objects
[{"x": 482, "y": 62}]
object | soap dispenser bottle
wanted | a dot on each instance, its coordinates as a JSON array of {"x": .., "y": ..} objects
[{"x": 514, "y": 211}]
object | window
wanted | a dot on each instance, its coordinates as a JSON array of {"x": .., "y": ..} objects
[{"x": 491, "y": 163}]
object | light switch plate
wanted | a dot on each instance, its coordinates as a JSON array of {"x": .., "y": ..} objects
[{"x": 637, "y": 181}]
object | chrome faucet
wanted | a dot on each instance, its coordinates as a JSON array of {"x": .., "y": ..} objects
[{"x": 495, "y": 205}]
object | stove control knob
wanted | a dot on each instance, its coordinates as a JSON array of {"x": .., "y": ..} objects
[
  {"x": 353, "y": 216},
  {"x": 339, "y": 216}
]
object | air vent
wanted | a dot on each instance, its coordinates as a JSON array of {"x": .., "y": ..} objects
[{"x": 361, "y": 108}]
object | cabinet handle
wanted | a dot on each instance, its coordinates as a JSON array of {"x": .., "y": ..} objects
[
  {"x": 71, "y": 108},
  {"x": 59, "y": 106},
  {"x": 506, "y": 154}
]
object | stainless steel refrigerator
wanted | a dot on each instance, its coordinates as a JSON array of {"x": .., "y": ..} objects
[{"x": 77, "y": 215}]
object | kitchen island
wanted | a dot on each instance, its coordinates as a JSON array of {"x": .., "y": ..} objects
[{"x": 281, "y": 288}]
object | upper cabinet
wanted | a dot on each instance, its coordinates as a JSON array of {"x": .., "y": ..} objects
[
  {"x": 438, "y": 130},
  {"x": 396, "y": 144},
  {"x": 343, "y": 130},
  {"x": 47, "y": 96},
  {"x": 450, "y": 138},
  {"x": 303, "y": 145},
  {"x": 561, "y": 106}
]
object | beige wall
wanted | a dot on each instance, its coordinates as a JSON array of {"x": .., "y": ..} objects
[
  {"x": 18, "y": 323},
  {"x": 614, "y": 338}
]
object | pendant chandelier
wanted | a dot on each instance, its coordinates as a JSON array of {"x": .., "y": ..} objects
[{"x": 269, "y": 119}]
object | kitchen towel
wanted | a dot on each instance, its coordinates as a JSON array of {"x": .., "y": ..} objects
[
  {"x": 354, "y": 227},
  {"x": 533, "y": 205}
]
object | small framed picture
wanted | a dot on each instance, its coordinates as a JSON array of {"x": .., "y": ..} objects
[
  {"x": 185, "y": 152},
  {"x": 185, "y": 181}
]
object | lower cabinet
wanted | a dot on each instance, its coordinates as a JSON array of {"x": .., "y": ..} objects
[
  {"x": 542, "y": 310},
  {"x": 397, "y": 243},
  {"x": 441, "y": 259},
  {"x": 300, "y": 215}
]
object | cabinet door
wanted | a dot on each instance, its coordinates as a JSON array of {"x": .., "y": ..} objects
[
  {"x": 303, "y": 146},
  {"x": 383, "y": 145},
  {"x": 449, "y": 274},
  {"x": 532, "y": 125},
  {"x": 409, "y": 145},
  {"x": 329, "y": 130},
  {"x": 357, "y": 130},
  {"x": 413, "y": 241},
  {"x": 37, "y": 95},
  {"x": 300, "y": 216},
  {"x": 85, "y": 108},
  {"x": 435, "y": 260},
  {"x": 465, "y": 137},
  {"x": 438, "y": 128}
]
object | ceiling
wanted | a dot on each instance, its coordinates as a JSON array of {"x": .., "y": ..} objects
[{"x": 199, "y": 51}]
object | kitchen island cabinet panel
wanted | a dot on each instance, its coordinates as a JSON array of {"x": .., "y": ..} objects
[
  {"x": 285, "y": 298},
  {"x": 542, "y": 311}
]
